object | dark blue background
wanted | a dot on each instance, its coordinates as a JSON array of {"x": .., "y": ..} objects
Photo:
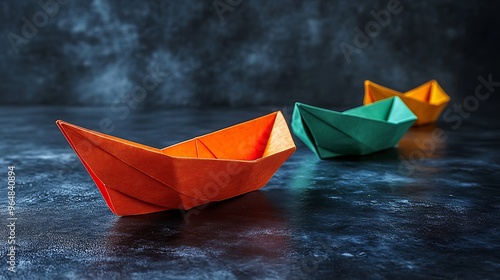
[
  {"x": 427, "y": 209},
  {"x": 253, "y": 53}
]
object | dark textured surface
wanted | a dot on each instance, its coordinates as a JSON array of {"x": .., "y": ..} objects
[
  {"x": 348, "y": 218},
  {"x": 263, "y": 52}
]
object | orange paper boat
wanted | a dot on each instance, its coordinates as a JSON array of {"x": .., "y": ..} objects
[
  {"x": 138, "y": 179},
  {"x": 426, "y": 101}
]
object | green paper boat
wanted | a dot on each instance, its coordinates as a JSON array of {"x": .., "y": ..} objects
[{"x": 359, "y": 131}]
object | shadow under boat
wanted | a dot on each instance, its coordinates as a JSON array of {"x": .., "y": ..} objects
[{"x": 248, "y": 225}]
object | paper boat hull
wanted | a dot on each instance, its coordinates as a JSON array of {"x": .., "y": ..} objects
[
  {"x": 359, "y": 131},
  {"x": 427, "y": 101},
  {"x": 137, "y": 179}
]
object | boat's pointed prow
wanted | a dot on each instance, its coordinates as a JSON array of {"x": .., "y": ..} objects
[
  {"x": 122, "y": 171},
  {"x": 74, "y": 138},
  {"x": 63, "y": 126},
  {"x": 77, "y": 146}
]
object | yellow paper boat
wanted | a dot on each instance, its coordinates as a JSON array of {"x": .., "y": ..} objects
[
  {"x": 426, "y": 101},
  {"x": 138, "y": 179}
]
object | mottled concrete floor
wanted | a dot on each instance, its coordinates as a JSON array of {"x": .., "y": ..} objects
[{"x": 435, "y": 216}]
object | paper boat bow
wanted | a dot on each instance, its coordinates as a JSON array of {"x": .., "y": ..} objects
[
  {"x": 359, "y": 131},
  {"x": 426, "y": 101},
  {"x": 138, "y": 179}
]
